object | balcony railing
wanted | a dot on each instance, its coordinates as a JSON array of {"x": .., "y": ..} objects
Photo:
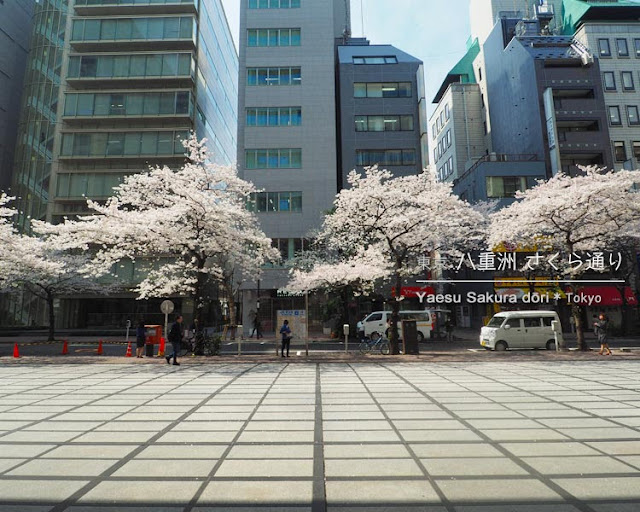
[{"x": 98, "y": 7}]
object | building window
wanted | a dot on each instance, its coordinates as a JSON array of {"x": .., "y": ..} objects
[
  {"x": 273, "y": 159},
  {"x": 128, "y": 104},
  {"x": 620, "y": 151},
  {"x": 609, "y": 81},
  {"x": 382, "y": 90},
  {"x": 505, "y": 186},
  {"x": 394, "y": 157},
  {"x": 479, "y": 74},
  {"x": 274, "y": 76},
  {"x": 385, "y": 123},
  {"x": 614, "y": 116},
  {"x": 448, "y": 138},
  {"x": 271, "y": 202},
  {"x": 450, "y": 165},
  {"x": 109, "y": 144},
  {"x": 636, "y": 46},
  {"x": 433, "y": 131},
  {"x": 435, "y": 154},
  {"x": 274, "y": 116},
  {"x": 604, "y": 50},
  {"x": 273, "y": 37},
  {"x": 484, "y": 127},
  {"x": 130, "y": 66},
  {"x": 627, "y": 80},
  {"x": 632, "y": 115},
  {"x": 447, "y": 111},
  {"x": 133, "y": 29},
  {"x": 636, "y": 151},
  {"x": 375, "y": 60},
  {"x": 274, "y": 4},
  {"x": 623, "y": 47}
]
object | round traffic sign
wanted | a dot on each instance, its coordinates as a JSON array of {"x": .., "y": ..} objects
[{"x": 167, "y": 307}]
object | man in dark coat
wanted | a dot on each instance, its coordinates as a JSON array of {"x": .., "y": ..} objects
[{"x": 175, "y": 337}]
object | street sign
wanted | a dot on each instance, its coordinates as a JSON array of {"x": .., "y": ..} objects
[{"x": 167, "y": 307}]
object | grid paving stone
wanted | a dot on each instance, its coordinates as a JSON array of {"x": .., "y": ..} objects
[
  {"x": 450, "y": 450},
  {"x": 577, "y": 465},
  {"x": 266, "y": 468},
  {"x": 143, "y": 492},
  {"x": 621, "y": 488},
  {"x": 549, "y": 449},
  {"x": 372, "y": 493},
  {"x": 371, "y": 468},
  {"x": 38, "y": 491},
  {"x": 617, "y": 447},
  {"x": 272, "y": 451},
  {"x": 96, "y": 451},
  {"x": 472, "y": 467},
  {"x": 63, "y": 467},
  {"x": 265, "y": 493},
  {"x": 166, "y": 468},
  {"x": 480, "y": 490},
  {"x": 364, "y": 451}
]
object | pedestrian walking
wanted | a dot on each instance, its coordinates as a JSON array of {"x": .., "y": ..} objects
[
  {"x": 448, "y": 327},
  {"x": 285, "y": 330},
  {"x": 601, "y": 328},
  {"x": 175, "y": 337},
  {"x": 257, "y": 327},
  {"x": 141, "y": 338}
]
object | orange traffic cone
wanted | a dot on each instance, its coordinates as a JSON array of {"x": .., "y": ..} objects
[
  {"x": 129, "y": 354},
  {"x": 161, "y": 349},
  {"x": 65, "y": 348},
  {"x": 16, "y": 352},
  {"x": 100, "y": 348}
]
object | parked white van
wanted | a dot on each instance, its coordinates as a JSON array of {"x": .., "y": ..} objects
[
  {"x": 520, "y": 329},
  {"x": 376, "y": 323}
]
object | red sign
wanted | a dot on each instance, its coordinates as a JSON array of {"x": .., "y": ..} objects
[
  {"x": 609, "y": 295},
  {"x": 411, "y": 292}
]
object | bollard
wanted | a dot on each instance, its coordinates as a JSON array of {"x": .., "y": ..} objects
[
  {"x": 65, "y": 348},
  {"x": 100, "y": 348},
  {"x": 161, "y": 349}
]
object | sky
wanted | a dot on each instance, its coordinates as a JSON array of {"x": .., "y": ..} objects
[{"x": 433, "y": 31}]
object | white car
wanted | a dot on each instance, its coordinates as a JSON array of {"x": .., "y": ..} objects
[
  {"x": 376, "y": 323},
  {"x": 521, "y": 329}
]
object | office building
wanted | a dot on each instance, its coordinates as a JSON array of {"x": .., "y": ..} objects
[
  {"x": 382, "y": 109},
  {"x": 121, "y": 84},
  {"x": 611, "y": 31},
  {"x": 15, "y": 30},
  {"x": 287, "y": 138}
]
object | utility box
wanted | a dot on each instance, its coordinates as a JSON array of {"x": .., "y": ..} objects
[{"x": 410, "y": 337}]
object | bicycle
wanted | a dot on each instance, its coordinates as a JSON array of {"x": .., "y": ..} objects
[{"x": 380, "y": 344}]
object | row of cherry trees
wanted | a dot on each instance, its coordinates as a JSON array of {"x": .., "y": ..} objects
[
  {"x": 183, "y": 229},
  {"x": 380, "y": 226}
]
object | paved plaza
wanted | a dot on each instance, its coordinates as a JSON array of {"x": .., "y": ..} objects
[{"x": 431, "y": 437}]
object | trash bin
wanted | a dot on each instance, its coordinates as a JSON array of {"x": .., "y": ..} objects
[{"x": 410, "y": 337}]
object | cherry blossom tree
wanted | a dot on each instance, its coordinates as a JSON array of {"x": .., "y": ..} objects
[
  {"x": 183, "y": 227},
  {"x": 381, "y": 226},
  {"x": 39, "y": 266},
  {"x": 566, "y": 215}
]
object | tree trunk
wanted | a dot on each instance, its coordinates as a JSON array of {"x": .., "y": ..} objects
[
  {"x": 52, "y": 318},
  {"x": 576, "y": 311},
  {"x": 228, "y": 288},
  {"x": 395, "y": 316},
  {"x": 198, "y": 300}
]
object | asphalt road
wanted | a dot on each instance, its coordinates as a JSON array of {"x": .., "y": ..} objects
[{"x": 116, "y": 347}]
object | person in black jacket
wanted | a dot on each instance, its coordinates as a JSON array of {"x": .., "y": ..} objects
[
  {"x": 175, "y": 337},
  {"x": 141, "y": 336}
]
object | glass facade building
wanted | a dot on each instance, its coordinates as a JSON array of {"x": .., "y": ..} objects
[{"x": 112, "y": 87}]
